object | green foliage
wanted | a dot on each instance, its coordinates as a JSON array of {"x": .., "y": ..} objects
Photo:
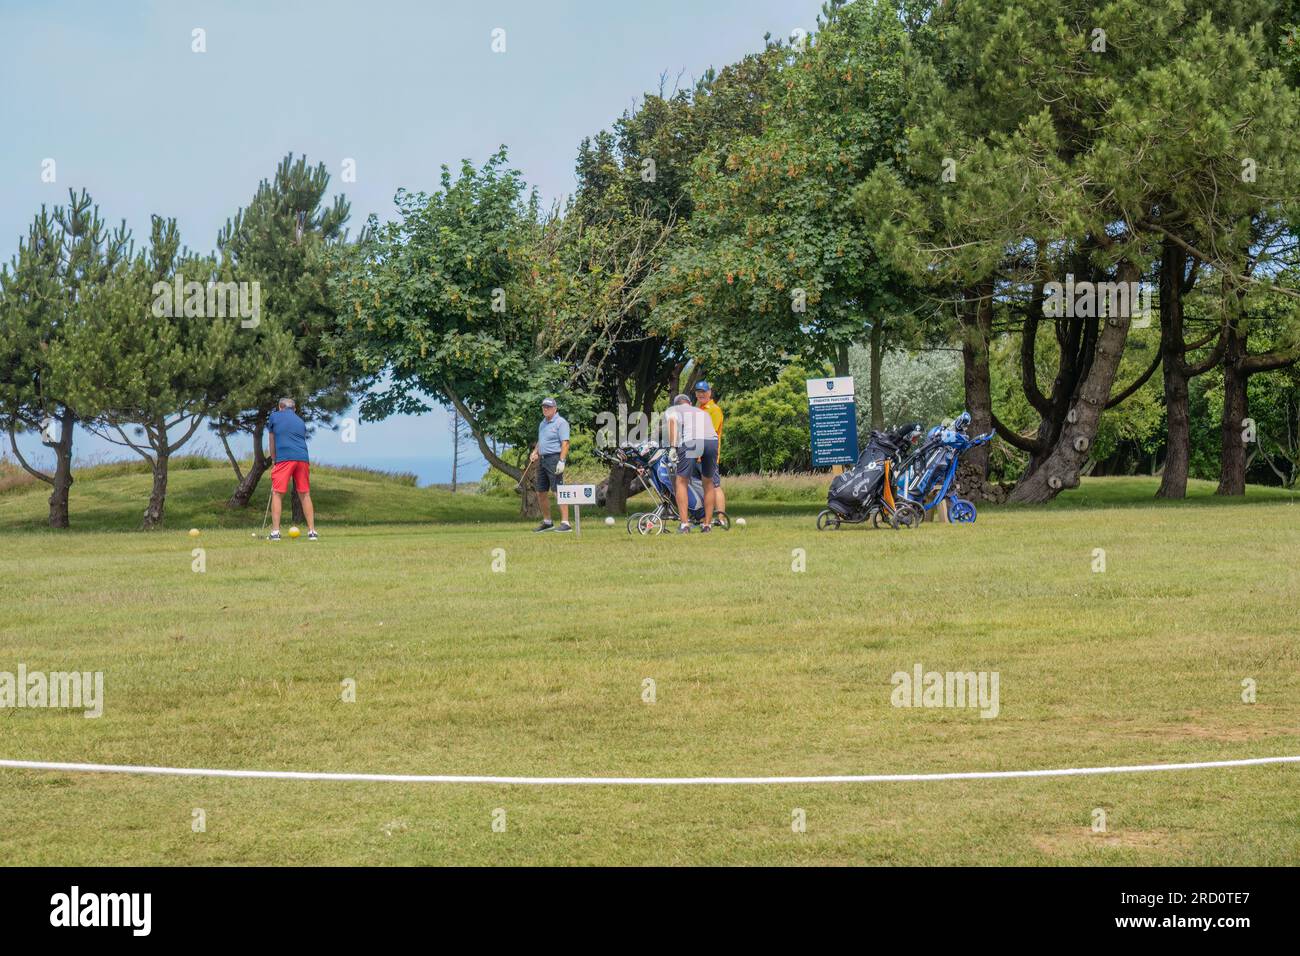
[
  {"x": 921, "y": 387},
  {"x": 47, "y": 301},
  {"x": 767, "y": 429},
  {"x": 152, "y": 364}
]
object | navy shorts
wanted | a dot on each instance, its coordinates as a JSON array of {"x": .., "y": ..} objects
[
  {"x": 705, "y": 452},
  {"x": 547, "y": 479}
]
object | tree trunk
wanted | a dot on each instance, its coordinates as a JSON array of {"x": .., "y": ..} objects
[
  {"x": 153, "y": 515},
  {"x": 977, "y": 323},
  {"x": 62, "y": 484},
  {"x": 1069, "y": 452},
  {"x": 455, "y": 450},
  {"x": 877, "y": 353},
  {"x": 1232, "y": 456},
  {"x": 613, "y": 492},
  {"x": 1178, "y": 445},
  {"x": 247, "y": 486},
  {"x": 527, "y": 491},
  {"x": 841, "y": 363}
]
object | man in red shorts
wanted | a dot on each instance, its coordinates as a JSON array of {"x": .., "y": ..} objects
[{"x": 289, "y": 452}]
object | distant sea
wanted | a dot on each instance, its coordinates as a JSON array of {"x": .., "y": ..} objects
[{"x": 429, "y": 471}]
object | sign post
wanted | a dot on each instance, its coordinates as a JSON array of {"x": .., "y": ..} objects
[
  {"x": 575, "y": 496},
  {"x": 832, "y": 421}
]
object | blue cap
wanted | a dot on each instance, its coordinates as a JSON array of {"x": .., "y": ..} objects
[{"x": 703, "y": 386}]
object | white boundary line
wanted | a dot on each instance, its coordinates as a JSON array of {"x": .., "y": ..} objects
[{"x": 630, "y": 781}]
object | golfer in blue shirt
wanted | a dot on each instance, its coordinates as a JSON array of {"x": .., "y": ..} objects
[
  {"x": 551, "y": 452},
  {"x": 288, "y": 448}
]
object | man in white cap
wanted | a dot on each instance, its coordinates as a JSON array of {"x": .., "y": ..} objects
[{"x": 551, "y": 452}]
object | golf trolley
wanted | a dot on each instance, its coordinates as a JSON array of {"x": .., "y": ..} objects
[
  {"x": 934, "y": 463},
  {"x": 652, "y": 468}
]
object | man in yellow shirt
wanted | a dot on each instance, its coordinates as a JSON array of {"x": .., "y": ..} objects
[{"x": 704, "y": 400}]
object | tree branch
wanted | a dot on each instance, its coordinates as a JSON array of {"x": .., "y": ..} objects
[
  {"x": 1015, "y": 439},
  {"x": 1272, "y": 287},
  {"x": 234, "y": 463},
  {"x": 194, "y": 424},
  {"x": 13, "y": 443},
  {"x": 1138, "y": 382},
  {"x": 492, "y": 457}
]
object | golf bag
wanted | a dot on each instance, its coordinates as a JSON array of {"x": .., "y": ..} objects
[
  {"x": 864, "y": 488},
  {"x": 928, "y": 475}
]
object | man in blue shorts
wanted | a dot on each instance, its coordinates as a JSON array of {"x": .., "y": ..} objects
[{"x": 692, "y": 440}]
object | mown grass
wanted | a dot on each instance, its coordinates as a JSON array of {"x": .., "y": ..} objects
[{"x": 758, "y": 669}]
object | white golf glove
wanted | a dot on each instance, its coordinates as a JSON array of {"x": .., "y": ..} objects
[
  {"x": 559, "y": 467},
  {"x": 672, "y": 456}
]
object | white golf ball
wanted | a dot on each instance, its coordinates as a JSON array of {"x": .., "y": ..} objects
[
  {"x": 610, "y": 521},
  {"x": 740, "y": 522}
]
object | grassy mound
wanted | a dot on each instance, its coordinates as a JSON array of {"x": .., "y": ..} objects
[{"x": 112, "y": 497}]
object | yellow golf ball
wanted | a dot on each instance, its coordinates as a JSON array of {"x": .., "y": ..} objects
[
  {"x": 294, "y": 532},
  {"x": 194, "y": 532}
]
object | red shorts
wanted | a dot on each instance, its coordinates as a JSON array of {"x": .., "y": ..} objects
[{"x": 282, "y": 471}]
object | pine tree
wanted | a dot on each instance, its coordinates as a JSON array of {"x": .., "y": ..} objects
[{"x": 44, "y": 300}]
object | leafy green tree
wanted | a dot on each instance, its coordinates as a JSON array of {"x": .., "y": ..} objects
[
  {"x": 916, "y": 386},
  {"x": 634, "y": 194},
  {"x": 436, "y": 308},
  {"x": 44, "y": 304}
]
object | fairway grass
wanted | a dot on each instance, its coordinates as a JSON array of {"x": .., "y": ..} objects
[{"x": 541, "y": 669}]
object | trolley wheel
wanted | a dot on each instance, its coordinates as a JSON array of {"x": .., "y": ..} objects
[
  {"x": 828, "y": 520},
  {"x": 962, "y": 511},
  {"x": 650, "y": 523},
  {"x": 907, "y": 515},
  {"x": 721, "y": 520},
  {"x": 632, "y": 519}
]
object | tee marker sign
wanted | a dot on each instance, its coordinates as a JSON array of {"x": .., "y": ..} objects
[{"x": 576, "y": 496}]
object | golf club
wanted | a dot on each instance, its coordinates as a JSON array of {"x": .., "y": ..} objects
[{"x": 267, "y": 514}]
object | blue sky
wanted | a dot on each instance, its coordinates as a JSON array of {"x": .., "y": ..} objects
[{"x": 114, "y": 94}]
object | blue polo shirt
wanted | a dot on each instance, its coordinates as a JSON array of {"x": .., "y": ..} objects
[
  {"x": 550, "y": 435},
  {"x": 290, "y": 433}
]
